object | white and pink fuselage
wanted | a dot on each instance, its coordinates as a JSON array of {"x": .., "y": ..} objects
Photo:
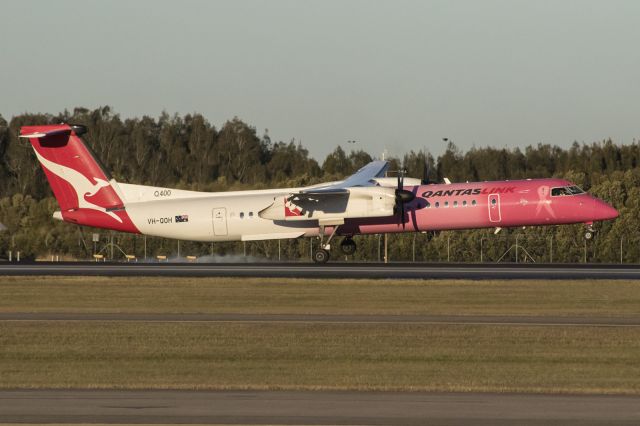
[
  {"x": 233, "y": 216},
  {"x": 87, "y": 195}
]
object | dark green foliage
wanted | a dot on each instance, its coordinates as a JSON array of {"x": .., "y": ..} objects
[{"x": 188, "y": 152}]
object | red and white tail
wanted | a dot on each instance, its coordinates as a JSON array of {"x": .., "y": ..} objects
[{"x": 87, "y": 195}]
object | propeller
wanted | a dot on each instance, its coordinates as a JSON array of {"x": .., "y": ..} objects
[{"x": 402, "y": 197}]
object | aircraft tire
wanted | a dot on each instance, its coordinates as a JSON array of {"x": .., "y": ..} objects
[
  {"x": 348, "y": 246},
  {"x": 321, "y": 256}
]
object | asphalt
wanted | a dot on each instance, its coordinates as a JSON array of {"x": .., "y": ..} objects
[
  {"x": 331, "y": 270},
  {"x": 313, "y": 408},
  {"x": 557, "y": 321}
]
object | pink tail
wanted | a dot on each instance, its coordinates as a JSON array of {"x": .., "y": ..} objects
[{"x": 85, "y": 192}]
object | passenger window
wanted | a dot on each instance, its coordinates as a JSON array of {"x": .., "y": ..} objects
[
  {"x": 494, "y": 201},
  {"x": 455, "y": 204},
  {"x": 446, "y": 204},
  {"x": 427, "y": 205},
  {"x": 241, "y": 215},
  {"x": 437, "y": 204},
  {"x": 464, "y": 203},
  {"x": 473, "y": 202},
  {"x": 250, "y": 214}
]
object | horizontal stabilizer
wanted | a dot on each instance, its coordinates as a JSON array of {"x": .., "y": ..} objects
[{"x": 41, "y": 134}]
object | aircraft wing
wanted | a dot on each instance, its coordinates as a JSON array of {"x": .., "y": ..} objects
[
  {"x": 357, "y": 196},
  {"x": 363, "y": 177}
]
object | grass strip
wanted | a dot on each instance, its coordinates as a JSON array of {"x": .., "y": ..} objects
[
  {"x": 297, "y": 296},
  {"x": 320, "y": 356}
]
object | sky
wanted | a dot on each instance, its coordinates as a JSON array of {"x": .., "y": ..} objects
[{"x": 394, "y": 75}]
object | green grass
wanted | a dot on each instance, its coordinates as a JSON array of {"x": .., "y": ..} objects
[
  {"x": 399, "y": 356},
  {"x": 320, "y": 356},
  {"x": 254, "y": 295}
]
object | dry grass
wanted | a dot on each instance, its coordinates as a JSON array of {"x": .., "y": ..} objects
[
  {"x": 320, "y": 356},
  {"x": 262, "y": 295}
]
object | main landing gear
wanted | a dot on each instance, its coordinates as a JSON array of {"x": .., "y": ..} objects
[
  {"x": 322, "y": 254},
  {"x": 347, "y": 246}
]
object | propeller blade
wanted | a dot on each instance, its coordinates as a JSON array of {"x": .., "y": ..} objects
[{"x": 402, "y": 197}]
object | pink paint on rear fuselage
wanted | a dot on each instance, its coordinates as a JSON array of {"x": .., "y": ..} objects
[{"x": 488, "y": 204}]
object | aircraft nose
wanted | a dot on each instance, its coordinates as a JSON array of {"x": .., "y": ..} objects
[{"x": 604, "y": 211}]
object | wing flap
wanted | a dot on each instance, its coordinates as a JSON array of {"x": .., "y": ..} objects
[{"x": 272, "y": 236}]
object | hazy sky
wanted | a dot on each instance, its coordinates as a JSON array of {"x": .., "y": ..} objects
[{"x": 394, "y": 74}]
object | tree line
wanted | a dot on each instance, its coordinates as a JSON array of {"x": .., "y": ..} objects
[{"x": 189, "y": 152}]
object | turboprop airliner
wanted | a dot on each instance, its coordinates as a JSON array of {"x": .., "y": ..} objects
[{"x": 364, "y": 203}]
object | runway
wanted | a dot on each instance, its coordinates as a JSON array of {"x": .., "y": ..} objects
[
  {"x": 331, "y": 270},
  {"x": 313, "y": 408},
  {"x": 319, "y": 407},
  {"x": 511, "y": 320}
]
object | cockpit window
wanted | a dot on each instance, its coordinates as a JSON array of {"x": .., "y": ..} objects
[
  {"x": 566, "y": 190},
  {"x": 575, "y": 190}
]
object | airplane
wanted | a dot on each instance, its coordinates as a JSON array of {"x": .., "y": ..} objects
[{"x": 366, "y": 202}]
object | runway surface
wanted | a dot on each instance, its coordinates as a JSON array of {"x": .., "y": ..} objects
[
  {"x": 558, "y": 321},
  {"x": 331, "y": 270},
  {"x": 313, "y": 408}
]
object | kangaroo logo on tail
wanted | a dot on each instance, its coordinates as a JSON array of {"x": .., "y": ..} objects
[
  {"x": 85, "y": 192},
  {"x": 83, "y": 186}
]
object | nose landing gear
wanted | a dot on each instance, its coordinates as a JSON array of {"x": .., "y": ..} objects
[{"x": 589, "y": 233}]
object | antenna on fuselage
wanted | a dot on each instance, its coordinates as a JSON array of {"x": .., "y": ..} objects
[
  {"x": 446, "y": 179},
  {"x": 425, "y": 167}
]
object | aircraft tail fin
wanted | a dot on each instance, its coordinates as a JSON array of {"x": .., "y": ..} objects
[{"x": 85, "y": 191}]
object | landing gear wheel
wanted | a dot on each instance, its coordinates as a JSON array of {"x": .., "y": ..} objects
[
  {"x": 321, "y": 256},
  {"x": 588, "y": 235},
  {"x": 348, "y": 246}
]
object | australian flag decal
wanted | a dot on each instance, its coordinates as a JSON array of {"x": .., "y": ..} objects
[{"x": 182, "y": 218}]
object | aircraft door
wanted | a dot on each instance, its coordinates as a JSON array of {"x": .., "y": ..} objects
[
  {"x": 220, "y": 221},
  {"x": 494, "y": 208}
]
